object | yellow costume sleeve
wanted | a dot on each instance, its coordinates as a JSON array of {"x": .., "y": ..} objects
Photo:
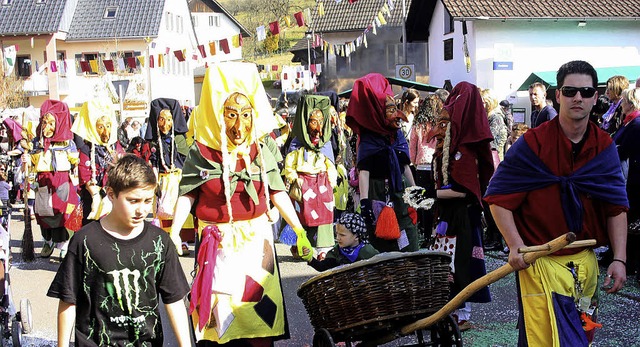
[
  {"x": 290, "y": 166},
  {"x": 331, "y": 171}
]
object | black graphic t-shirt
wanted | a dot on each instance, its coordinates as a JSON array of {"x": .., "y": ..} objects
[{"x": 115, "y": 285}]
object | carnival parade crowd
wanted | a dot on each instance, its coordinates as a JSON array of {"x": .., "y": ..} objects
[{"x": 340, "y": 181}]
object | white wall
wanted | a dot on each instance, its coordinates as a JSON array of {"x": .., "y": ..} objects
[
  {"x": 536, "y": 46},
  {"x": 206, "y": 34}
]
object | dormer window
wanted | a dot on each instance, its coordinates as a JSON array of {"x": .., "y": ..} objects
[{"x": 111, "y": 12}]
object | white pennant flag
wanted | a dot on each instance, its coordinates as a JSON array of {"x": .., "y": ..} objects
[
  {"x": 9, "y": 60},
  {"x": 261, "y": 33}
]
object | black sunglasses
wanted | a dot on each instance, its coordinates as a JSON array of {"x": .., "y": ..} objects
[{"x": 570, "y": 92}]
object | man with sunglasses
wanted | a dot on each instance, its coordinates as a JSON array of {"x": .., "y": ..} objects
[
  {"x": 548, "y": 185},
  {"x": 541, "y": 111}
]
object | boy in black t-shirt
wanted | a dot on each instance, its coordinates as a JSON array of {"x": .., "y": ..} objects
[{"x": 116, "y": 267}]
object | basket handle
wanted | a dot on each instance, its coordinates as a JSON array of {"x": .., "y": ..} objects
[{"x": 529, "y": 257}]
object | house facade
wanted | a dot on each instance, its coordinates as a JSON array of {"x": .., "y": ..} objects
[
  {"x": 344, "y": 22},
  {"x": 86, "y": 45},
  {"x": 510, "y": 40},
  {"x": 212, "y": 24}
]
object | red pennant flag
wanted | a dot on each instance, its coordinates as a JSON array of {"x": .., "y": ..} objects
[
  {"x": 108, "y": 65},
  {"x": 131, "y": 62},
  {"x": 274, "y": 67},
  {"x": 84, "y": 66},
  {"x": 224, "y": 45},
  {"x": 152, "y": 61},
  {"x": 167, "y": 50},
  {"x": 179, "y": 55},
  {"x": 203, "y": 53},
  {"x": 54, "y": 66},
  {"x": 240, "y": 39},
  {"x": 274, "y": 27},
  {"x": 194, "y": 56},
  {"x": 352, "y": 1},
  {"x": 299, "y": 18}
]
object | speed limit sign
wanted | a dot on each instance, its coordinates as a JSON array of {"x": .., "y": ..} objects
[{"x": 406, "y": 72}]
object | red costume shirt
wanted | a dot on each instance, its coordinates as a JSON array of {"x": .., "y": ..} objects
[{"x": 538, "y": 214}]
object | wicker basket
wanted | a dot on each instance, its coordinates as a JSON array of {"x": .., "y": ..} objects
[{"x": 377, "y": 294}]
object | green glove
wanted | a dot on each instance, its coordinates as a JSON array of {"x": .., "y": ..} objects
[{"x": 303, "y": 241}]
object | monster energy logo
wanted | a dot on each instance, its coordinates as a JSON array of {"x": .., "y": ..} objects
[{"x": 126, "y": 285}]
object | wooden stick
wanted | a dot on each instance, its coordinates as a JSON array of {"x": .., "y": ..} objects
[
  {"x": 28, "y": 253},
  {"x": 575, "y": 244},
  {"x": 554, "y": 245}
]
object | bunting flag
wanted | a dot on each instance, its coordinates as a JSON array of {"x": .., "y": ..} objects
[
  {"x": 299, "y": 18},
  {"x": 141, "y": 60},
  {"x": 160, "y": 60},
  {"x": 121, "y": 65},
  {"x": 307, "y": 16},
  {"x": 274, "y": 67},
  {"x": 153, "y": 45},
  {"x": 212, "y": 48},
  {"x": 235, "y": 41},
  {"x": 381, "y": 19},
  {"x": 261, "y": 33},
  {"x": 224, "y": 46},
  {"x": 9, "y": 61},
  {"x": 32, "y": 42},
  {"x": 167, "y": 50},
  {"x": 179, "y": 55},
  {"x": 385, "y": 9},
  {"x": 94, "y": 65},
  {"x": 373, "y": 30},
  {"x": 203, "y": 53},
  {"x": 194, "y": 56},
  {"x": 320, "y": 9},
  {"x": 151, "y": 61},
  {"x": 391, "y": 6},
  {"x": 131, "y": 62},
  {"x": 364, "y": 40},
  {"x": 287, "y": 21},
  {"x": 352, "y": 1},
  {"x": 108, "y": 65},
  {"x": 240, "y": 39},
  {"x": 274, "y": 27},
  {"x": 54, "y": 66},
  {"x": 84, "y": 66}
]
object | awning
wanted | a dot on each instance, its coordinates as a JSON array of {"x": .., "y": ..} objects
[
  {"x": 548, "y": 78},
  {"x": 399, "y": 82}
]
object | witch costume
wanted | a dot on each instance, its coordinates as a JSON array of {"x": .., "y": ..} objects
[
  {"x": 314, "y": 171},
  {"x": 463, "y": 164},
  {"x": 96, "y": 125},
  {"x": 230, "y": 178},
  {"x": 383, "y": 152},
  {"x": 57, "y": 205}
]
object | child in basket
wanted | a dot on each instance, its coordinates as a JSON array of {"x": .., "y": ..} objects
[
  {"x": 352, "y": 245},
  {"x": 117, "y": 267}
]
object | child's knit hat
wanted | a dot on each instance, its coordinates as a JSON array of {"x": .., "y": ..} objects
[{"x": 356, "y": 224}]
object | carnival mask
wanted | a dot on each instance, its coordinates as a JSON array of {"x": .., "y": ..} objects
[
  {"x": 165, "y": 121},
  {"x": 103, "y": 128},
  {"x": 48, "y": 125},
  {"x": 314, "y": 126},
  {"x": 238, "y": 118},
  {"x": 393, "y": 117},
  {"x": 439, "y": 132}
]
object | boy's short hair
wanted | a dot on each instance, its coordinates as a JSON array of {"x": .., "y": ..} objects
[
  {"x": 130, "y": 172},
  {"x": 354, "y": 223}
]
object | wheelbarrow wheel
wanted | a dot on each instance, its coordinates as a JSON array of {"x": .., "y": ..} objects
[
  {"x": 446, "y": 333},
  {"x": 26, "y": 318},
  {"x": 322, "y": 338},
  {"x": 16, "y": 333}
]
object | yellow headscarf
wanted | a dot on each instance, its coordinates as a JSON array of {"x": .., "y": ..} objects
[
  {"x": 85, "y": 123},
  {"x": 206, "y": 123}
]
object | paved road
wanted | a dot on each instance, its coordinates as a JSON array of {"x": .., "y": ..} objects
[{"x": 493, "y": 323}]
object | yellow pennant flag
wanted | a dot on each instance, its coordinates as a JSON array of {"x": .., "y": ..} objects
[
  {"x": 385, "y": 9},
  {"x": 320, "y": 9},
  {"x": 212, "y": 48},
  {"x": 287, "y": 21},
  {"x": 160, "y": 60},
  {"x": 141, "y": 60},
  {"x": 331, "y": 51},
  {"x": 235, "y": 41},
  {"x": 94, "y": 65},
  {"x": 381, "y": 19}
]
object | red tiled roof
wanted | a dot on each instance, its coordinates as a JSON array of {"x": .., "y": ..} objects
[{"x": 543, "y": 8}]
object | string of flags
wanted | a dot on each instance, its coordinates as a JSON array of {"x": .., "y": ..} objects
[
  {"x": 158, "y": 59},
  {"x": 302, "y": 18}
]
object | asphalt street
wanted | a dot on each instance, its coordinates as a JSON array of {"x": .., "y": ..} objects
[{"x": 493, "y": 324}]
